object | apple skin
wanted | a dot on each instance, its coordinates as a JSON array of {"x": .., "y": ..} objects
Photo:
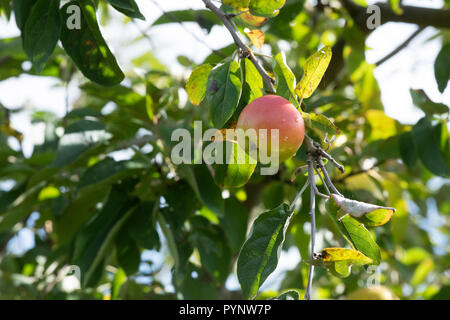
[{"x": 274, "y": 112}]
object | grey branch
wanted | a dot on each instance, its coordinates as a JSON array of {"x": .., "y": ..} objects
[
  {"x": 400, "y": 47},
  {"x": 438, "y": 18},
  {"x": 312, "y": 214},
  {"x": 246, "y": 52}
]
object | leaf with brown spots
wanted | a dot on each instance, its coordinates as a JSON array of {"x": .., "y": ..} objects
[{"x": 257, "y": 37}]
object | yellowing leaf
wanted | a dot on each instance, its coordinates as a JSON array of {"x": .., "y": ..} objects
[
  {"x": 236, "y": 3},
  {"x": 342, "y": 254},
  {"x": 196, "y": 85},
  {"x": 321, "y": 122},
  {"x": 382, "y": 126},
  {"x": 371, "y": 215},
  {"x": 338, "y": 261},
  {"x": 314, "y": 69},
  {"x": 249, "y": 20},
  {"x": 256, "y": 37}
]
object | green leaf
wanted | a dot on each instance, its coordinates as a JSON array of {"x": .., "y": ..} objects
[
  {"x": 313, "y": 71},
  {"x": 253, "y": 78},
  {"x": 428, "y": 146},
  {"x": 422, "y": 270},
  {"x": 181, "y": 204},
  {"x": 361, "y": 238},
  {"x": 128, "y": 253},
  {"x": 260, "y": 253},
  {"x": 341, "y": 269},
  {"x": 127, "y": 7},
  {"x": 119, "y": 279},
  {"x": 5, "y": 7},
  {"x": 215, "y": 57},
  {"x": 20, "y": 208},
  {"x": 87, "y": 48},
  {"x": 128, "y": 100},
  {"x": 41, "y": 32},
  {"x": 285, "y": 77},
  {"x": 109, "y": 170},
  {"x": 234, "y": 223},
  {"x": 223, "y": 91},
  {"x": 202, "y": 182},
  {"x": 141, "y": 226},
  {"x": 370, "y": 214},
  {"x": 94, "y": 241},
  {"x": 237, "y": 166},
  {"x": 22, "y": 9},
  {"x": 320, "y": 122},
  {"x": 8, "y": 197},
  {"x": 205, "y": 18},
  {"x": 442, "y": 67},
  {"x": 79, "y": 137},
  {"x": 266, "y": 8},
  {"x": 288, "y": 295},
  {"x": 196, "y": 85},
  {"x": 273, "y": 194},
  {"x": 421, "y": 100},
  {"x": 198, "y": 287},
  {"x": 354, "y": 232},
  {"x": 214, "y": 252},
  {"x": 407, "y": 148},
  {"x": 443, "y": 294}
]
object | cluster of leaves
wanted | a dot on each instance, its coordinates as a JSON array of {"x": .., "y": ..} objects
[{"x": 101, "y": 213}]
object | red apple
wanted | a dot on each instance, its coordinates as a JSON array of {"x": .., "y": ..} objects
[{"x": 274, "y": 112}]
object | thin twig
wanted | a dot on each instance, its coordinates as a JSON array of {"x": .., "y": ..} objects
[
  {"x": 246, "y": 52},
  {"x": 175, "y": 19},
  {"x": 323, "y": 182},
  {"x": 354, "y": 173},
  {"x": 327, "y": 177},
  {"x": 400, "y": 47},
  {"x": 299, "y": 194},
  {"x": 327, "y": 156},
  {"x": 312, "y": 214},
  {"x": 320, "y": 194}
]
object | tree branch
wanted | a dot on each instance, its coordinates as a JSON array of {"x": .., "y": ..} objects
[
  {"x": 175, "y": 19},
  {"x": 246, "y": 52},
  {"x": 400, "y": 47},
  {"x": 354, "y": 173},
  {"x": 438, "y": 18}
]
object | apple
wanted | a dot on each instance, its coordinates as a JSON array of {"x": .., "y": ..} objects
[{"x": 274, "y": 112}]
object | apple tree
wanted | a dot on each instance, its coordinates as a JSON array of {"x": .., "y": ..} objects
[{"x": 364, "y": 200}]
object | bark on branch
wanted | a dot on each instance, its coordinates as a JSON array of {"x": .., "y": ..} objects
[
  {"x": 246, "y": 52},
  {"x": 438, "y": 18}
]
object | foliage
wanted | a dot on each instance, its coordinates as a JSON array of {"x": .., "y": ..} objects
[{"x": 105, "y": 215}]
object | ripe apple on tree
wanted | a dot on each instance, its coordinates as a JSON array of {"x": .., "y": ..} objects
[{"x": 274, "y": 112}]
